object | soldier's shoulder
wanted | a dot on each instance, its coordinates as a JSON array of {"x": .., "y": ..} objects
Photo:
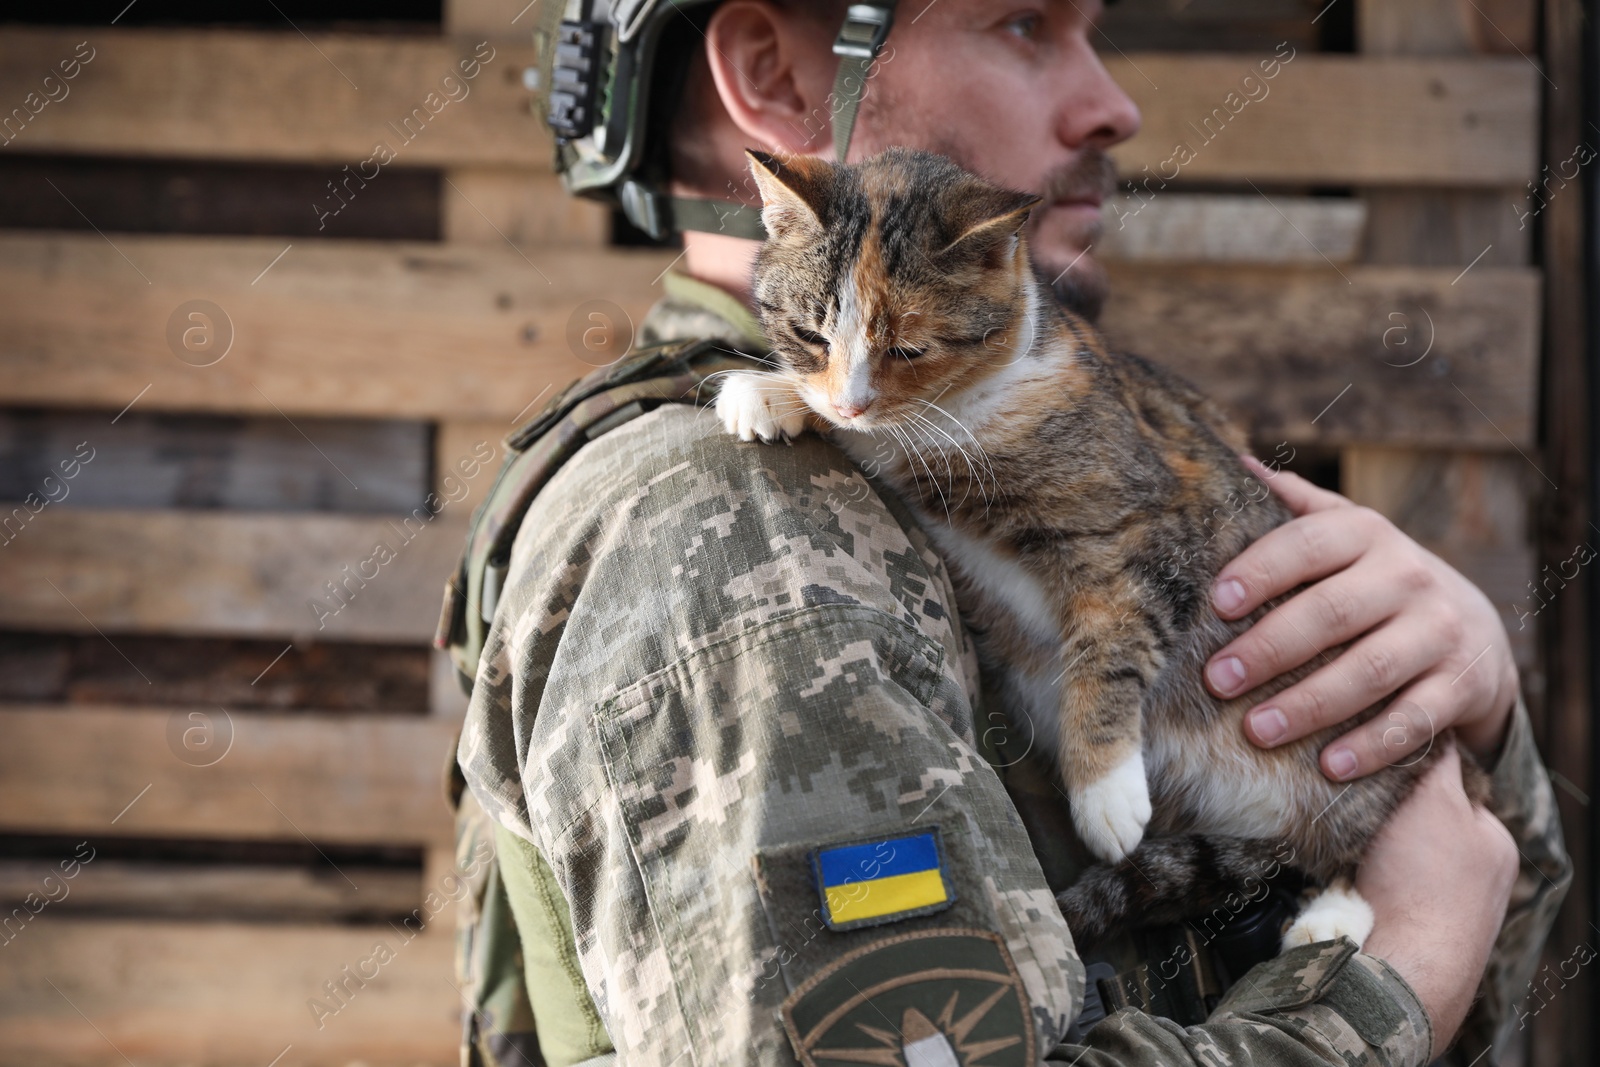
[
  {"x": 677, "y": 460},
  {"x": 660, "y": 441},
  {"x": 667, "y": 533}
]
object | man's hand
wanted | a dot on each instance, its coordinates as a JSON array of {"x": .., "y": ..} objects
[
  {"x": 1416, "y": 628},
  {"x": 1439, "y": 876}
]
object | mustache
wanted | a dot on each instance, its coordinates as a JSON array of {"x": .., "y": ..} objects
[{"x": 1091, "y": 175}]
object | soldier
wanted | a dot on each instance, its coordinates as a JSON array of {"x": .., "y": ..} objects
[{"x": 728, "y": 735}]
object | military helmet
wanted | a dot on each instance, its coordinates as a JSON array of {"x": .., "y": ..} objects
[{"x": 600, "y": 67}]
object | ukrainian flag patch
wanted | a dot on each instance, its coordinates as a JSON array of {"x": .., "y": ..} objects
[{"x": 881, "y": 880}]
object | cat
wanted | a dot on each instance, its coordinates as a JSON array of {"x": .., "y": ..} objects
[{"x": 1084, "y": 501}]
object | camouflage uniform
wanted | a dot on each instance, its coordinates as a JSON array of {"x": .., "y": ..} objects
[{"x": 763, "y": 670}]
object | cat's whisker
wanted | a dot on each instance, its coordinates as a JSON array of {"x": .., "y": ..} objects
[
  {"x": 910, "y": 452},
  {"x": 952, "y": 418},
  {"x": 914, "y": 453},
  {"x": 949, "y": 467},
  {"x": 988, "y": 465},
  {"x": 959, "y": 424},
  {"x": 767, "y": 359},
  {"x": 972, "y": 467}
]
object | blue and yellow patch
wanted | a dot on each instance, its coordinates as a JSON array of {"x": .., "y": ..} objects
[{"x": 882, "y": 880}]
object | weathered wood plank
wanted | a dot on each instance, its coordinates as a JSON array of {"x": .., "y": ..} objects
[
  {"x": 360, "y": 780},
  {"x": 261, "y": 463},
  {"x": 1331, "y": 119},
  {"x": 1502, "y": 27},
  {"x": 1279, "y": 346},
  {"x": 215, "y": 993},
  {"x": 1413, "y": 27},
  {"x": 489, "y": 18},
  {"x": 487, "y": 206},
  {"x": 390, "y": 330},
  {"x": 224, "y": 574},
  {"x": 331, "y": 98},
  {"x": 1448, "y": 227},
  {"x": 1216, "y": 26},
  {"x": 1470, "y": 508},
  {"x": 267, "y": 674},
  {"x": 221, "y": 94},
  {"x": 1447, "y": 27},
  {"x": 209, "y": 891},
  {"x": 420, "y": 331},
  {"x": 1210, "y": 227},
  {"x": 199, "y": 196}
]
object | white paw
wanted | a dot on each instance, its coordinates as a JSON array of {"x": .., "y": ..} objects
[
  {"x": 752, "y": 404},
  {"x": 1337, "y": 911},
  {"x": 1111, "y": 814}
]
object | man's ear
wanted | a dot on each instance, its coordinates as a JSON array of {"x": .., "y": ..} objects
[
  {"x": 794, "y": 190},
  {"x": 984, "y": 215},
  {"x": 773, "y": 68}
]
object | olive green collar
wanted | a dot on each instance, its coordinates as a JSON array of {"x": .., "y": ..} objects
[{"x": 718, "y": 301}]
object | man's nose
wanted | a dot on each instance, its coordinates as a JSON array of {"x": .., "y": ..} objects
[{"x": 1101, "y": 112}]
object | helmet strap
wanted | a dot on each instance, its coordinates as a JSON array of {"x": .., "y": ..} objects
[
  {"x": 661, "y": 215},
  {"x": 860, "y": 39},
  {"x": 857, "y": 46},
  {"x": 717, "y": 216}
]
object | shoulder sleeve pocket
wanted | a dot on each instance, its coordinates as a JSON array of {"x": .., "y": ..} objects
[{"x": 825, "y": 726}]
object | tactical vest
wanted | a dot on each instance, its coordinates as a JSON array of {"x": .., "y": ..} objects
[{"x": 674, "y": 372}]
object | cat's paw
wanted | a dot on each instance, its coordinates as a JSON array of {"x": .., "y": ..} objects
[
  {"x": 1111, "y": 814},
  {"x": 754, "y": 405},
  {"x": 1337, "y": 911}
]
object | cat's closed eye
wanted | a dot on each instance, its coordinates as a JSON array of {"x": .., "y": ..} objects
[
  {"x": 904, "y": 352},
  {"x": 810, "y": 337}
]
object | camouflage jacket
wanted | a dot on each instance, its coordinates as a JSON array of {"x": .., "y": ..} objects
[{"x": 751, "y": 805}]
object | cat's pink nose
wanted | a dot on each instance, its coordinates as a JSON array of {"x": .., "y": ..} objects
[{"x": 848, "y": 410}]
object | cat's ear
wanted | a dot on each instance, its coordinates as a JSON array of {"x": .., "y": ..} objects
[
  {"x": 794, "y": 190},
  {"x": 989, "y": 214}
]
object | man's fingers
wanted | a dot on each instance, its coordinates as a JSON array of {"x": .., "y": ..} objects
[
  {"x": 1403, "y": 733},
  {"x": 1365, "y": 673},
  {"x": 1295, "y": 553},
  {"x": 1334, "y": 610},
  {"x": 1301, "y": 496}
]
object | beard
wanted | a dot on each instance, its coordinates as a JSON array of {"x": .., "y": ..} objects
[
  {"x": 1078, "y": 282},
  {"x": 1060, "y": 257},
  {"x": 1058, "y": 249},
  {"x": 1081, "y": 289}
]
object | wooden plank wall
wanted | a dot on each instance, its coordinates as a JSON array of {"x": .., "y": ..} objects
[{"x": 204, "y": 598}]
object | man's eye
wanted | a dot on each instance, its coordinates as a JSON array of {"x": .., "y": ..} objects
[
  {"x": 811, "y": 337},
  {"x": 904, "y": 352},
  {"x": 1025, "y": 26}
]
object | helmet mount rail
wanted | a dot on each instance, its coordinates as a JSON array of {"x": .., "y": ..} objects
[
  {"x": 597, "y": 157},
  {"x": 580, "y": 45}
]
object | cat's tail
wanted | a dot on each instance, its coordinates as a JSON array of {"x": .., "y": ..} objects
[{"x": 1168, "y": 879}]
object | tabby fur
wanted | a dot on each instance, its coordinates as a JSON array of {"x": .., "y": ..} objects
[{"x": 1085, "y": 501}]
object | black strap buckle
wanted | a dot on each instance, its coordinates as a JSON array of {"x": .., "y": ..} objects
[
  {"x": 645, "y": 207},
  {"x": 866, "y": 27},
  {"x": 1186, "y": 967}
]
